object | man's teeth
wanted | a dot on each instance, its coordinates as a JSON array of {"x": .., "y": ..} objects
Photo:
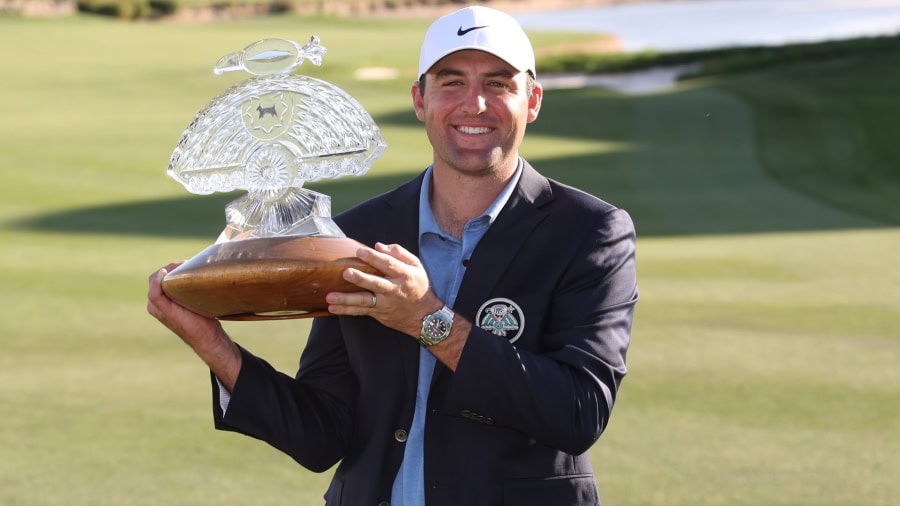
[{"x": 473, "y": 130}]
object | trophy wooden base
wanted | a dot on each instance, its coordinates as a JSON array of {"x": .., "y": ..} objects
[{"x": 266, "y": 278}]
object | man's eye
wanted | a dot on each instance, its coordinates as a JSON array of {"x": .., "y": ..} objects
[{"x": 498, "y": 84}]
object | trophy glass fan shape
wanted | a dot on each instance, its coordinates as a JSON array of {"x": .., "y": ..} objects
[{"x": 280, "y": 251}]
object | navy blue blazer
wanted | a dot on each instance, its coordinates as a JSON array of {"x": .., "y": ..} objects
[{"x": 550, "y": 290}]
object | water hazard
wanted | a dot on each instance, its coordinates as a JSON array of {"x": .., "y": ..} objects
[{"x": 687, "y": 25}]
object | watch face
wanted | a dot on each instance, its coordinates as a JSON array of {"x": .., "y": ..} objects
[{"x": 436, "y": 327}]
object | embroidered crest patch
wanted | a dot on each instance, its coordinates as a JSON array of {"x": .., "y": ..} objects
[{"x": 502, "y": 317}]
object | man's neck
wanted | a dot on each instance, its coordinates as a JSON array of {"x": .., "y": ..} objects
[{"x": 457, "y": 198}]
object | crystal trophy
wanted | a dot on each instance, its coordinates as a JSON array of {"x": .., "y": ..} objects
[{"x": 280, "y": 251}]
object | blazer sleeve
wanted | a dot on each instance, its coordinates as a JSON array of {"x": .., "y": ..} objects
[
  {"x": 562, "y": 394},
  {"x": 308, "y": 417}
]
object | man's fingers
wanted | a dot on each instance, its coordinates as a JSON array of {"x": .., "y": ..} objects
[
  {"x": 372, "y": 283},
  {"x": 398, "y": 252}
]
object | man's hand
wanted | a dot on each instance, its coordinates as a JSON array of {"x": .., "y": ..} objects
[
  {"x": 399, "y": 299},
  {"x": 204, "y": 335}
]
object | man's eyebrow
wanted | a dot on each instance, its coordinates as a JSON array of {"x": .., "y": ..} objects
[
  {"x": 448, "y": 72},
  {"x": 445, "y": 72},
  {"x": 500, "y": 73}
]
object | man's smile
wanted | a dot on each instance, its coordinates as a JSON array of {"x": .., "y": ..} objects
[{"x": 472, "y": 130}]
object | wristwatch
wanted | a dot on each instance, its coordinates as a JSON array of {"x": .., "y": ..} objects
[{"x": 436, "y": 327}]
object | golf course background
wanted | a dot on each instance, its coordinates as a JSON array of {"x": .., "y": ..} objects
[{"x": 764, "y": 364}]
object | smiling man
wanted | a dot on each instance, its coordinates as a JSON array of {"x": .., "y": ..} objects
[{"x": 483, "y": 363}]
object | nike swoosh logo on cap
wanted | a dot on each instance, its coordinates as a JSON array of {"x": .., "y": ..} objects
[{"x": 462, "y": 32}]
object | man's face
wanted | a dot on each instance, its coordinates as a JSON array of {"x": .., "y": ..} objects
[{"x": 475, "y": 109}]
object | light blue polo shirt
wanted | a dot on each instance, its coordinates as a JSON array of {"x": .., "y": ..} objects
[{"x": 445, "y": 258}]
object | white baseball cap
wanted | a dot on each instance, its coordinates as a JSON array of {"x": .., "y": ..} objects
[{"x": 481, "y": 28}]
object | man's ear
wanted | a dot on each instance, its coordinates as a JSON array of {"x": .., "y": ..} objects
[
  {"x": 418, "y": 101},
  {"x": 534, "y": 102}
]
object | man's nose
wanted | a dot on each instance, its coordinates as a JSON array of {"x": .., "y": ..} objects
[{"x": 475, "y": 101}]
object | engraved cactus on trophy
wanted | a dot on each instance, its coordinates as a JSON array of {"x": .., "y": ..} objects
[{"x": 280, "y": 251}]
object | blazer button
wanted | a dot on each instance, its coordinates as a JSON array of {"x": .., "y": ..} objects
[
  {"x": 401, "y": 435},
  {"x": 384, "y": 503}
]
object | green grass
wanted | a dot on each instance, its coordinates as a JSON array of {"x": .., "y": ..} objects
[
  {"x": 717, "y": 60},
  {"x": 763, "y": 368}
]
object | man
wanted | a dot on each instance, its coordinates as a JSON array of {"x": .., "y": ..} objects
[{"x": 484, "y": 362}]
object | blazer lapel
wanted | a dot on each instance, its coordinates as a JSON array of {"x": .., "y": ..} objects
[
  {"x": 402, "y": 217},
  {"x": 499, "y": 247},
  {"x": 503, "y": 240},
  {"x": 396, "y": 220}
]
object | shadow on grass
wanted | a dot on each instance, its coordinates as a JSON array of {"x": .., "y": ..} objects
[
  {"x": 657, "y": 211},
  {"x": 189, "y": 216},
  {"x": 690, "y": 168}
]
